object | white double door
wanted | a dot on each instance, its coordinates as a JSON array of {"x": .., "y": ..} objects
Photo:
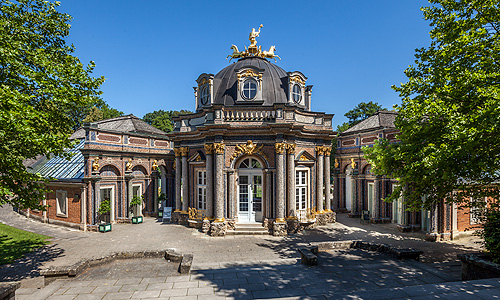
[{"x": 250, "y": 197}]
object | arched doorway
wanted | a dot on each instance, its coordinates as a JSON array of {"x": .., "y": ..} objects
[{"x": 250, "y": 190}]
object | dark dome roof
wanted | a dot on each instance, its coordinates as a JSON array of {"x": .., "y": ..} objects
[{"x": 274, "y": 82}]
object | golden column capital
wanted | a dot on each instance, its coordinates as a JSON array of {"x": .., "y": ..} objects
[
  {"x": 183, "y": 151},
  {"x": 219, "y": 148},
  {"x": 209, "y": 148},
  {"x": 327, "y": 150},
  {"x": 177, "y": 151},
  {"x": 279, "y": 147},
  {"x": 320, "y": 150},
  {"x": 290, "y": 148}
]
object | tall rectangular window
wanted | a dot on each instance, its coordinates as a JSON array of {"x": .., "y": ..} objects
[
  {"x": 301, "y": 189},
  {"x": 62, "y": 203},
  {"x": 477, "y": 210},
  {"x": 202, "y": 189}
]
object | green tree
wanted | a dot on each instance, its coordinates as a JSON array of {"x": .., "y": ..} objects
[
  {"x": 449, "y": 118},
  {"x": 101, "y": 112},
  {"x": 40, "y": 83},
  {"x": 163, "y": 119},
  {"x": 359, "y": 113}
]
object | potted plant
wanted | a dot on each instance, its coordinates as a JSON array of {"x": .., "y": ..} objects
[
  {"x": 135, "y": 206},
  {"x": 104, "y": 215},
  {"x": 161, "y": 203}
]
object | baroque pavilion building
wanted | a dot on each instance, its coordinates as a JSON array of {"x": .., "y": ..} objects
[{"x": 253, "y": 152}]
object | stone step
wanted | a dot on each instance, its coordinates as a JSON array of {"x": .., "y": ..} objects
[{"x": 246, "y": 232}]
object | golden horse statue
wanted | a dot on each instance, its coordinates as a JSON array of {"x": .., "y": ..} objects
[
  {"x": 270, "y": 53},
  {"x": 236, "y": 53}
]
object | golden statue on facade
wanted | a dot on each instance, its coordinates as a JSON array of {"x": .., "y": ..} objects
[
  {"x": 95, "y": 164},
  {"x": 155, "y": 165},
  {"x": 128, "y": 166},
  {"x": 353, "y": 164},
  {"x": 253, "y": 49}
]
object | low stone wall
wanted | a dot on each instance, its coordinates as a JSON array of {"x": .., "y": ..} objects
[
  {"x": 60, "y": 272},
  {"x": 478, "y": 266},
  {"x": 8, "y": 290},
  {"x": 399, "y": 253}
]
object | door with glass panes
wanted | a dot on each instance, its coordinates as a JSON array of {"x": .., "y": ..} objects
[{"x": 250, "y": 191}]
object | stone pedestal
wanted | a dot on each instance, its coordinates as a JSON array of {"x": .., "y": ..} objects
[
  {"x": 205, "y": 227},
  {"x": 432, "y": 237},
  {"x": 293, "y": 225},
  {"x": 175, "y": 217},
  {"x": 231, "y": 224},
  {"x": 280, "y": 229},
  {"x": 330, "y": 217},
  {"x": 218, "y": 229},
  {"x": 321, "y": 219},
  {"x": 183, "y": 218}
]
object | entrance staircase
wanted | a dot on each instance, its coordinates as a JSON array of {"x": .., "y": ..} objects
[{"x": 248, "y": 229}]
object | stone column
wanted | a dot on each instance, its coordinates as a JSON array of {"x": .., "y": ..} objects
[
  {"x": 280, "y": 182},
  {"x": 328, "y": 186},
  {"x": 290, "y": 180},
  {"x": 269, "y": 178},
  {"x": 209, "y": 153},
  {"x": 83, "y": 207},
  {"x": 280, "y": 226},
  {"x": 44, "y": 213},
  {"x": 178, "y": 181},
  {"x": 319, "y": 179},
  {"x": 433, "y": 234},
  {"x": 219, "y": 182},
  {"x": 376, "y": 198},
  {"x": 354, "y": 204},
  {"x": 219, "y": 227},
  {"x": 185, "y": 179},
  {"x": 232, "y": 197}
]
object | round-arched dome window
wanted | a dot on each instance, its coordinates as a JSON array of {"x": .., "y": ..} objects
[
  {"x": 250, "y": 163},
  {"x": 249, "y": 89},
  {"x": 204, "y": 95},
  {"x": 296, "y": 93}
]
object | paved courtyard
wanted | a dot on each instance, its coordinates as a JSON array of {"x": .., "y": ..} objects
[{"x": 244, "y": 267}]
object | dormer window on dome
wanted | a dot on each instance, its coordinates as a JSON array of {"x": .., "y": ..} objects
[
  {"x": 297, "y": 88},
  {"x": 204, "y": 91},
  {"x": 249, "y": 85}
]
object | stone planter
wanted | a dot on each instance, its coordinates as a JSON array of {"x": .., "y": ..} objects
[{"x": 478, "y": 266}]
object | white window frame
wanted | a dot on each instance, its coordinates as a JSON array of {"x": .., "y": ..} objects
[
  {"x": 62, "y": 196},
  {"x": 476, "y": 213},
  {"x": 301, "y": 199},
  {"x": 201, "y": 189}
]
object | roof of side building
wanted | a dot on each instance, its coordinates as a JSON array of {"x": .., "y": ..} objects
[{"x": 381, "y": 119}]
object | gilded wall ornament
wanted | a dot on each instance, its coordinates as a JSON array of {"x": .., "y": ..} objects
[
  {"x": 154, "y": 167},
  {"x": 219, "y": 148},
  {"x": 297, "y": 78},
  {"x": 248, "y": 148},
  {"x": 128, "y": 166},
  {"x": 353, "y": 164},
  {"x": 290, "y": 148},
  {"x": 209, "y": 148},
  {"x": 249, "y": 73},
  {"x": 95, "y": 164},
  {"x": 303, "y": 158},
  {"x": 337, "y": 163},
  {"x": 279, "y": 147}
]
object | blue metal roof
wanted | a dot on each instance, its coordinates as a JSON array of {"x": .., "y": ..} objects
[{"x": 61, "y": 168}]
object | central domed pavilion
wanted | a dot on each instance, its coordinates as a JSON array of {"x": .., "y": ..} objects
[{"x": 253, "y": 153}]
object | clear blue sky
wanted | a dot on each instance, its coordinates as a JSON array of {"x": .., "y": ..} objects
[{"x": 151, "y": 52}]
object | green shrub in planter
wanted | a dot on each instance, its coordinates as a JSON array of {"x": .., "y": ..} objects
[
  {"x": 491, "y": 233},
  {"x": 135, "y": 204},
  {"x": 104, "y": 210}
]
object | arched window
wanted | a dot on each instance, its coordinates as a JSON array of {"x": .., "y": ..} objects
[
  {"x": 296, "y": 93},
  {"x": 205, "y": 95},
  {"x": 249, "y": 89},
  {"x": 250, "y": 163},
  {"x": 108, "y": 170}
]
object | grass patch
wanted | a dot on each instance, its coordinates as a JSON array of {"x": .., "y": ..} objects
[{"x": 14, "y": 243}]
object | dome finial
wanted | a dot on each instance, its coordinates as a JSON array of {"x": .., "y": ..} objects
[{"x": 253, "y": 49}]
